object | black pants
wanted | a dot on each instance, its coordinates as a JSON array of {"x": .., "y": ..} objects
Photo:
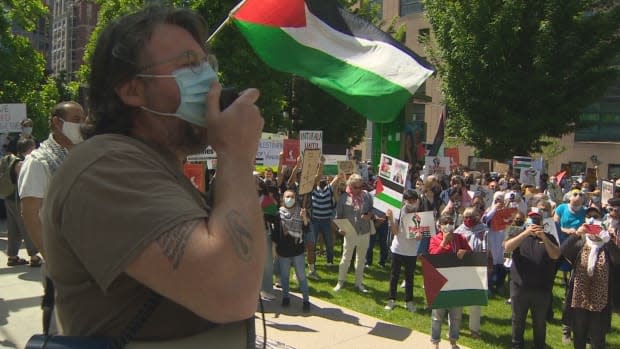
[
  {"x": 589, "y": 324},
  {"x": 523, "y": 300},
  {"x": 409, "y": 263}
]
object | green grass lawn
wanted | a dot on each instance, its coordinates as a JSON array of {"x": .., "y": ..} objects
[{"x": 496, "y": 317}]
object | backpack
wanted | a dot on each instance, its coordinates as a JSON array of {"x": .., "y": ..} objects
[{"x": 7, "y": 165}]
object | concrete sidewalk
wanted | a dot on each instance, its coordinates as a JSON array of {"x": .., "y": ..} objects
[{"x": 326, "y": 326}]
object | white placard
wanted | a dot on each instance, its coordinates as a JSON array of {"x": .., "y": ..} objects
[
  {"x": 268, "y": 153},
  {"x": 435, "y": 165},
  {"x": 11, "y": 116},
  {"x": 418, "y": 222},
  {"x": 310, "y": 140},
  {"x": 345, "y": 225}
]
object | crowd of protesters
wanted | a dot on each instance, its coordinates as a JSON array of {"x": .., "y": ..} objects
[{"x": 524, "y": 257}]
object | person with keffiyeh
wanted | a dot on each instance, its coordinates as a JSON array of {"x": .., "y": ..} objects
[
  {"x": 592, "y": 294},
  {"x": 355, "y": 204}
]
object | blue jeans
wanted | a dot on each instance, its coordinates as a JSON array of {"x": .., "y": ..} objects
[
  {"x": 267, "y": 285},
  {"x": 298, "y": 263},
  {"x": 454, "y": 322},
  {"x": 324, "y": 227}
]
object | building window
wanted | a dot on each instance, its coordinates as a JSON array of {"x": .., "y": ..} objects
[
  {"x": 410, "y": 6},
  {"x": 613, "y": 171},
  {"x": 577, "y": 168},
  {"x": 601, "y": 120}
]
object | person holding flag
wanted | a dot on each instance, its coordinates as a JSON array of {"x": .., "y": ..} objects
[{"x": 446, "y": 241}]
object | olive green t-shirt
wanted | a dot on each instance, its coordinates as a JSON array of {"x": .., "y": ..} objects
[{"x": 111, "y": 198}]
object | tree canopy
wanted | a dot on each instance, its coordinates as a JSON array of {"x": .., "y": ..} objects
[
  {"x": 22, "y": 72},
  {"x": 514, "y": 71}
]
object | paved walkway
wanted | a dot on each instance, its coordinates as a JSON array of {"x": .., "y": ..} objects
[{"x": 326, "y": 326}]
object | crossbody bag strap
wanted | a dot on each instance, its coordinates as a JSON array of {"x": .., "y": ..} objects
[{"x": 138, "y": 321}]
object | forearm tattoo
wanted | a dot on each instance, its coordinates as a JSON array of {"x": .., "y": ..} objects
[
  {"x": 239, "y": 235},
  {"x": 173, "y": 242}
]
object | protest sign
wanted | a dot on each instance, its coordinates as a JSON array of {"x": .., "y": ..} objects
[
  {"x": 418, "y": 222},
  {"x": 453, "y": 154},
  {"x": 196, "y": 174},
  {"x": 607, "y": 191},
  {"x": 11, "y": 116},
  {"x": 268, "y": 153},
  {"x": 502, "y": 218},
  {"x": 345, "y": 225},
  {"x": 309, "y": 166},
  {"x": 435, "y": 165},
  {"x": 393, "y": 169},
  {"x": 311, "y": 140},
  {"x": 290, "y": 152},
  {"x": 347, "y": 167}
]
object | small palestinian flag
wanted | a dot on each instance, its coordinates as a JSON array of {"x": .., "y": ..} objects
[
  {"x": 345, "y": 55},
  {"x": 453, "y": 282},
  {"x": 387, "y": 195},
  {"x": 521, "y": 162}
]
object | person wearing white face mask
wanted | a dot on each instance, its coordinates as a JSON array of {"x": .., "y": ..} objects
[
  {"x": 39, "y": 167},
  {"x": 290, "y": 247},
  {"x": 404, "y": 250},
  {"x": 593, "y": 291}
]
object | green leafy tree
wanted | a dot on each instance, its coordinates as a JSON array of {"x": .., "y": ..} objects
[
  {"x": 514, "y": 71},
  {"x": 22, "y": 72}
]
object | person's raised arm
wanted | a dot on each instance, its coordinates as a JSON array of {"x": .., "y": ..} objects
[{"x": 213, "y": 267}]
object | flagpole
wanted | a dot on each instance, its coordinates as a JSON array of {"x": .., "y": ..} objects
[{"x": 235, "y": 9}]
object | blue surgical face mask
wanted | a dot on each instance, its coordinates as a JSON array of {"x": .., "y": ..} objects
[{"x": 193, "y": 83}]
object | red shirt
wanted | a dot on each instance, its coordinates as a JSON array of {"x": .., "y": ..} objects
[{"x": 458, "y": 243}]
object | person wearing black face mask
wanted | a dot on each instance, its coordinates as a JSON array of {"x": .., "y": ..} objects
[{"x": 532, "y": 272}]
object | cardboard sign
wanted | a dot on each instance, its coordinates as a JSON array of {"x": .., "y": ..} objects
[
  {"x": 290, "y": 149},
  {"x": 312, "y": 140},
  {"x": 422, "y": 223},
  {"x": 502, "y": 218},
  {"x": 309, "y": 166},
  {"x": 347, "y": 167},
  {"x": 11, "y": 116},
  {"x": 196, "y": 174}
]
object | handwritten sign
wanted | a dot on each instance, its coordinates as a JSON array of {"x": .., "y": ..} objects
[
  {"x": 309, "y": 166},
  {"x": 11, "y": 116},
  {"x": 346, "y": 167},
  {"x": 312, "y": 140},
  {"x": 437, "y": 165}
]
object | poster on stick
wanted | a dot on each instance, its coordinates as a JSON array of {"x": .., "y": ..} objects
[
  {"x": 312, "y": 140},
  {"x": 11, "y": 116},
  {"x": 290, "y": 151}
]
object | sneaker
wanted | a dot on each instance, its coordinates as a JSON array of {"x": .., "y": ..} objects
[
  {"x": 402, "y": 284},
  {"x": 313, "y": 275},
  {"x": 410, "y": 306},
  {"x": 361, "y": 288},
  {"x": 306, "y": 307},
  {"x": 390, "y": 305},
  {"x": 286, "y": 302},
  {"x": 267, "y": 296},
  {"x": 338, "y": 287}
]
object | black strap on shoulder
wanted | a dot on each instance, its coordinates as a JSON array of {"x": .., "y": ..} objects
[{"x": 139, "y": 320}]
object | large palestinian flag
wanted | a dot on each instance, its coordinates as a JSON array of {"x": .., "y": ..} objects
[
  {"x": 453, "y": 282},
  {"x": 343, "y": 54}
]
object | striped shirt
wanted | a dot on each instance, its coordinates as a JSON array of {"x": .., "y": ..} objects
[{"x": 322, "y": 202}]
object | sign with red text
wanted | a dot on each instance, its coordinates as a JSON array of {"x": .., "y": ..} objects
[{"x": 290, "y": 151}]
